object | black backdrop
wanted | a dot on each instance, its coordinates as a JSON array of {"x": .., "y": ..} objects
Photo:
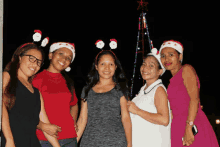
[{"x": 83, "y": 22}]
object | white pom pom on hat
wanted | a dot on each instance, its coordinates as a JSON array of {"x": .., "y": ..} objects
[{"x": 67, "y": 69}]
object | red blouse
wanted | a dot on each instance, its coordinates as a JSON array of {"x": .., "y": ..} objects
[{"x": 57, "y": 101}]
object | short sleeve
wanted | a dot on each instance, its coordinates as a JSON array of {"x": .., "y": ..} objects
[
  {"x": 83, "y": 94},
  {"x": 74, "y": 100},
  {"x": 120, "y": 93}
]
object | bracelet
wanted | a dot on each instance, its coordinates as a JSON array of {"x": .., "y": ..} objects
[{"x": 189, "y": 122}]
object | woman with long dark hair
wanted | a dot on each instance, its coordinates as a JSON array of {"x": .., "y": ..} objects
[
  {"x": 104, "y": 115},
  {"x": 59, "y": 96},
  {"x": 23, "y": 106}
]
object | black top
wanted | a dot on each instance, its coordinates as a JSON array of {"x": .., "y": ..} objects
[{"x": 24, "y": 117}]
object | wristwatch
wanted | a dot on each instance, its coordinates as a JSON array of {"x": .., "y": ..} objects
[{"x": 189, "y": 122}]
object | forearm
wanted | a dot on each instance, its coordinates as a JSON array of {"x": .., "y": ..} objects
[
  {"x": 74, "y": 112},
  {"x": 6, "y": 129},
  {"x": 53, "y": 141},
  {"x": 193, "y": 109},
  {"x": 40, "y": 125},
  {"x": 81, "y": 123},
  {"x": 153, "y": 117},
  {"x": 128, "y": 129}
]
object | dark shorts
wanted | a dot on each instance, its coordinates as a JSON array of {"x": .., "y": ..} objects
[{"x": 71, "y": 142}]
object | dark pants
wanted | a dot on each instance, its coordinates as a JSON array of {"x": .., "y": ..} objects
[{"x": 71, "y": 142}]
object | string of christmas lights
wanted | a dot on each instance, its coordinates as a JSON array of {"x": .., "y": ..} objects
[
  {"x": 148, "y": 35},
  {"x": 137, "y": 46}
]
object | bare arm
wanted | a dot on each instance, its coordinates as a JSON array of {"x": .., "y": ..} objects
[
  {"x": 43, "y": 117},
  {"x": 48, "y": 128},
  {"x": 126, "y": 121},
  {"x": 161, "y": 103},
  {"x": 82, "y": 121},
  {"x": 74, "y": 112},
  {"x": 190, "y": 82},
  {"x": 6, "y": 129}
]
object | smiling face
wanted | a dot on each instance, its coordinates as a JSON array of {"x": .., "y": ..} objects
[
  {"x": 150, "y": 69},
  {"x": 60, "y": 59},
  {"x": 106, "y": 66},
  {"x": 170, "y": 58},
  {"x": 27, "y": 67}
]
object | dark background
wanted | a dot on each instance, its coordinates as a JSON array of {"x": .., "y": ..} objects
[{"x": 194, "y": 24}]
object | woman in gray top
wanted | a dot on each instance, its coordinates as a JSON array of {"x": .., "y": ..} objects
[{"x": 104, "y": 115}]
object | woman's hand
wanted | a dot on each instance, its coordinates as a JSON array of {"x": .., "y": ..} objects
[
  {"x": 188, "y": 138},
  {"x": 76, "y": 127},
  {"x": 51, "y": 129},
  {"x": 132, "y": 107}
]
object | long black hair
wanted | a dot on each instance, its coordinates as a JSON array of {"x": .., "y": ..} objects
[
  {"x": 119, "y": 76},
  {"x": 12, "y": 68}
]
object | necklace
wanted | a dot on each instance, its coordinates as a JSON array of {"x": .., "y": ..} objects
[{"x": 151, "y": 88}]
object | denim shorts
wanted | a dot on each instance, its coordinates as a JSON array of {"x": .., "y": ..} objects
[{"x": 71, "y": 142}]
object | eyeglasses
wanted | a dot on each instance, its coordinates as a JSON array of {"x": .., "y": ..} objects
[{"x": 33, "y": 59}]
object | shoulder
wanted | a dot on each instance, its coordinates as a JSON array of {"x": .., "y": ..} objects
[
  {"x": 5, "y": 75},
  {"x": 160, "y": 91},
  {"x": 38, "y": 79},
  {"x": 39, "y": 76},
  {"x": 188, "y": 69},
  {"x": 5, "y": 78},
  {"x": 188, "y": 72}
]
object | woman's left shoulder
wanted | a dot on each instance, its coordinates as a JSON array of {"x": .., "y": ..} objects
[{"x": 188, "y": 70}]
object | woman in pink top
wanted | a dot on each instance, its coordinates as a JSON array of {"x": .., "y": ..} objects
[{"x": 183, "y": 94}]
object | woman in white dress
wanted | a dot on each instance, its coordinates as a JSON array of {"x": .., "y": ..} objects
[{"x": 150, "y": 109}]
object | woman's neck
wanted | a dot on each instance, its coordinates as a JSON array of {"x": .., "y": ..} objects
[
  {"x": 176, "y": 69},
  {"x": 52, "y": 69},
  {"x": 105, "y": 82},
  {"x": 22, "y": 76},
  {"x": 149, "y": 82}
]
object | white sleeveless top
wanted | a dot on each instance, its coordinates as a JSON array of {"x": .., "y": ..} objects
[{"x": 144, "y": 133}]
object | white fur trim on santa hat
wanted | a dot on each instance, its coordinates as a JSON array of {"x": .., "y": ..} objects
[
  {"x": 58, "y": 45},
  {"x": 155, "y": 53}
]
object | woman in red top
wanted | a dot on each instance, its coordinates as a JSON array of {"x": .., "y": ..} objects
[{"x": 59, "y": 96}]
